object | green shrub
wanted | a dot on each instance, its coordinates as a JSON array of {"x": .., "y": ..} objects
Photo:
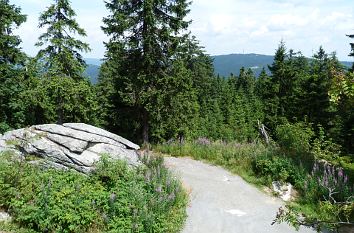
[
  {"x": 294, "y": 138},
  {"x": 115, "y": 198},
  {"x": 325, "y": 148},
  {"x": 278, "y": 168}
]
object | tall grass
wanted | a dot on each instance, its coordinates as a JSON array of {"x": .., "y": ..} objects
[{"x": 235, "y": 157}]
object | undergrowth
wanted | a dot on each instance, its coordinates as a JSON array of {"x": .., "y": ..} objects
[{"x": 115, "y": 198}]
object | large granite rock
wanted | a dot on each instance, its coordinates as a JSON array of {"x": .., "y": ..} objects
[{"x": 72, "y": 145}]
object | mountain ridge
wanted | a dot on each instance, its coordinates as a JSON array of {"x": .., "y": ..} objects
[{"x": 224, "y": 64}]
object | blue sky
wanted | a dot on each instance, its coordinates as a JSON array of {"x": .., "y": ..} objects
[{"x": 228, "y": 26}]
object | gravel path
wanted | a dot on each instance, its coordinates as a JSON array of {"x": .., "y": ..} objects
[{"x": 225, "y": 203}]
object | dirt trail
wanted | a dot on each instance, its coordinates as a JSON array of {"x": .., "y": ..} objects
[{"x": 225, "y": 203}]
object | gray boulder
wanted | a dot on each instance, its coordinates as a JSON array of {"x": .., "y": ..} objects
[{"x": 69, "y": 146}]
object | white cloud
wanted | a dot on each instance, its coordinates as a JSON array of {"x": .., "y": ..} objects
[
  {"x": 259, "y": 25},
  {"x": 229, "y": 26}
]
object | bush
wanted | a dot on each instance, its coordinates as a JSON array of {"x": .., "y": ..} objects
[
  {"x": 278, "y": 168},
  {"x": 115, "y": 198},
  {"x": 325, "y": 148},
  {"x": 294, "y": 138}
]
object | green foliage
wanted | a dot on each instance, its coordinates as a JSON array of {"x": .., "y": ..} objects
[
  {"x": 324, "y": 148},
  {"x": 352, "y": 50},
  {"x": 11, "y": 61},
  {"x": 279, "y": 169},
  {"x": 59, "y": 99},
  {"x": 229, "y": 112},
  {"x": 10, "y": 19},
  {"x": 149, "y": 67},
  {"x": 175, "y": 113},
  {"x": 114, "y": 198},
  {"x": 295, "y": 138},
  {"x": 12, "y": 227},
  {"x": 62, "y": 54},
  {"x": 12, "y": 111}
]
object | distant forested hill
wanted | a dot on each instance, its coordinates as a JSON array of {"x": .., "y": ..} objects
[
  {"x": 224, "y": 65},
  {"x": 92, "y": 72}
]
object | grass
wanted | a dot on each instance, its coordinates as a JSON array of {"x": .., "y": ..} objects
[{"x": 235, "y": 157}]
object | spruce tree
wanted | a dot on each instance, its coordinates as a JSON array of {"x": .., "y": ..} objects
[
  {"x": 10, "y": 52},
  {"x": 61, "y": 55},
  {"x": 320, "y": 111},
  {"x": 11, "y": 61},
  {"x": 146, "y": 39},
  {"x": 246, "y": 81},
  {"x": 274, "y": 105},
  {"x": 262, "y": 84},
  {"x": 351, "y": 54}
]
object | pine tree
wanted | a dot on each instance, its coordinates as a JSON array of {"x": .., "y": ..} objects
[
  {"x": 10, "y": 18},
  {"x": 246, "y": 81},
  {"x": 351, "y": 54},
  {"x": 11, "y": 62},
  {"x": 62, "y": 54},
  {"x": 262, "y": 84},
  {"x": 146, "y": 37},
  {"x": 317, "y": 87},
  {"x": 283, "y": 92},
  {"x": 274, "y": 105}
]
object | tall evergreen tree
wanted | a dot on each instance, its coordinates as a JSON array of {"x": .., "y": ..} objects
[
  {"x": 62, "y": 54},
  {"x": 317, "y": 86},
  {"x": 351, "y": 54},
  {"x": 246, "y": 81},
  {"x": 10, "y": 52},
  {"x": 11, "y": 59},
  {"x": 146, "y": 37},
  {"x": 284, "y": 95},
  {"x": 274, "y": 105},
  {"x": 262, "y": 84}
]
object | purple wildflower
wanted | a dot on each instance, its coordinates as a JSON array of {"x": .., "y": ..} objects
[{"x": 203, "y": 141}]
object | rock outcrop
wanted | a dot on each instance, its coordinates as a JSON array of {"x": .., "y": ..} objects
[{"x": 71, "y": 145}]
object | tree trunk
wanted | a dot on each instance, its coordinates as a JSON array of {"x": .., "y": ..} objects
[{"x": 263, "y": 132}]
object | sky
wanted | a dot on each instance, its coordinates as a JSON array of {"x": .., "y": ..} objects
[{"x": 227, "y": 26}]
